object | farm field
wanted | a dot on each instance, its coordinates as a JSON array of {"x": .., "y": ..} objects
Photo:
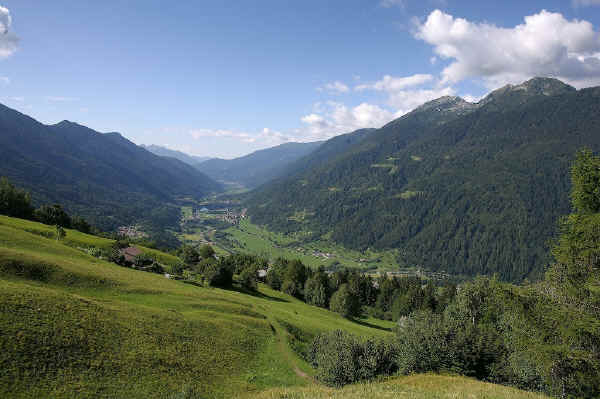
[
  {"x": 72, "y": 320},
  {"x": 249, "y": 238}
]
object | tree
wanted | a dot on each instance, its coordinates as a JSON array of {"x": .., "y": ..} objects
[
  {"x": 206, "y": 251},
  {"x": 14, "y": 202},
  {"x": 273, "y": 278},
  {"x": 295, "y": 274},
  {"x": 189, "y": 255},
  {"x": 585, "y": 178},
  {"x": 60, "y": 233},
  {"x": 344, "y": 303},
  {"x": 316, "y": 290},
  {"x": 53, "y": 215},
  {"x": 80, "y": 224},
  {"x": 249, "y": 278},
  {"x": 218, "y": 275}
]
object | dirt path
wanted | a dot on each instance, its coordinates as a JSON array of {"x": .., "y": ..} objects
[{"x": 281, "y": 336}]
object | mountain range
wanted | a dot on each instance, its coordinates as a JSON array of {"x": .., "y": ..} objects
[
  {"x": 167, "y": 152},
  {"x": 454, "y": 186},
  {"x": 103, "y": 177},
  {"x": 259, "y": 167}
]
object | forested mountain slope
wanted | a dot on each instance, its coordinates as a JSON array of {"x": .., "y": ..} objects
[
  {"x": 104, "y": 177},
  {"x": 259, "y": 167},
  {"x": 466, "y": 188}
]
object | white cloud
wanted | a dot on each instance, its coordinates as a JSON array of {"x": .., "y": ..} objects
[
  {"x": 405, "y": 101},
  {"x": 8, "y": 40},
  {"x": 266, "y": 137},
  {"x": 390, "y": 83},
  {"x": 4, "y": 80},
  {"x": 406, "y": 93},
  {"x": 547, "y": 44},
  {"x": 337, "y": 118},
  {"x": 335, "y": 87}
]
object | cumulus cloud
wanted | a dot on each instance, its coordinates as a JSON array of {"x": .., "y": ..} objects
[
  {"x": 390, "y": 83},
  {"x": 407, "y": 100},
  {"x": 406, "y": 93},
  {"x": 336, "y": 118},
  {"x": 335, "y": 87},
  {"x": 8, "y": 40},
  {"x": 546, "y": 44},
  {"x": 266, "y": 137}
]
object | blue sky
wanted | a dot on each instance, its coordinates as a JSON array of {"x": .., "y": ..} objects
[{"x": 224, "y": 78}]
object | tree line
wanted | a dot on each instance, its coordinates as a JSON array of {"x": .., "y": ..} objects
[{"x": 15, "y": 202}]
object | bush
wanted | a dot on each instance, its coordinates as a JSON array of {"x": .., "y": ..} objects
[
  {"x": 218, "y": 275},
  {"x": 341, "y": 358}
]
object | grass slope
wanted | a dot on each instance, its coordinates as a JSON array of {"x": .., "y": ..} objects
[
  {"x": 426, "y": 386},
  {"x": 76, "y": 326}
]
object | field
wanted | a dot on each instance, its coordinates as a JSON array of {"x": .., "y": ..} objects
[
  {"x": 250, "y": 238},
  {"x": 426, "y": 386},
  {"x": 74, "y": 325}
]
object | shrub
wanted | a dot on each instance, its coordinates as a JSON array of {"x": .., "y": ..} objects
[
  {"x": 218, "y": 275},
  {"x": 341, "y": 358}
]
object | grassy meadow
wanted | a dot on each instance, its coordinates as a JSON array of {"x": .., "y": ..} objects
[
  {"x": 76, "y": 326},
  {"x": 424, "y": 386}
]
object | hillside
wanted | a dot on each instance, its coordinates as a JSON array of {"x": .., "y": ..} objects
[
  {"x": 460, "y": 187},
  {"x": 259, "y": 167},
  {"x": 104, "y": 177},
  {"x": 76, "y": 325},
  {"x": 182, "y": 156}
]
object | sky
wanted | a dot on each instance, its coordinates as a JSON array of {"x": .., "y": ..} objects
[{"x": 225, "y": 78}]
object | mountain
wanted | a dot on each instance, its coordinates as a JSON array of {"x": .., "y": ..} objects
[
  {"x": 259, "y": 167},
  {"x": 465, "y": 188},
  {"x": 182, "y": 156},
  {"x": 103, "y": 177}
]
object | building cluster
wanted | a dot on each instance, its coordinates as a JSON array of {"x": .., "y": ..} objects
[
  {"x": 233, "y": 217},
  {"x": 131, "y": 232}
]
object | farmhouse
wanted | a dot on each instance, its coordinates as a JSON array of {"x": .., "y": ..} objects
[{"x": 130, "y": 253}]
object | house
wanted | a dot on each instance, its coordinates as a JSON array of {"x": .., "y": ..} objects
[
  {"x": 262, "y": 274},
  {"x": 130, "y": 253}
]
